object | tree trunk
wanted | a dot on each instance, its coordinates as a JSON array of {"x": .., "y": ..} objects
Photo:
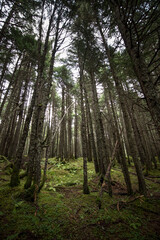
[
  {"x": 7, "y": 22},
  {"x": 122, "y": 152},
  {"x": 141, "y": 181},
  {"x": 9, "y": 86},
  {"x": 150, "y": 90},
  {"x": 103, "y": 159},
  {"x": 93, "y": 145},
  {"x": 18, "y": 159},
  {"x": 76, "y": 133},
  {"x": 70, "y": 151},
  {"x": 62, "y": 128},
  {"x": 84, "y": 138}
]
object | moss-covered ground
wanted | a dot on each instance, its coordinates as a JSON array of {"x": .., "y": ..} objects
[{"x": 65, "y": 213}]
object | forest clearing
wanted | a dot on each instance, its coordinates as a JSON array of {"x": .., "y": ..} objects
[
  {"x": 79, "y": 119},
  {"x": 65, "y": 213}
]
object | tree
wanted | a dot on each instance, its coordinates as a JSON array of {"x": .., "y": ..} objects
[{"x": 137, "y": 22}]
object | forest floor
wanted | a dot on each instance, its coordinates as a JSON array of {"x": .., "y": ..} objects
[{"x": 65, "y": 213}]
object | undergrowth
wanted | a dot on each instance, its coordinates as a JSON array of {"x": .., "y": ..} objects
[{"x": 64, "y": 212}]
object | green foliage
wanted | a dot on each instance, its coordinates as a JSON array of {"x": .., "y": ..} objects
[
  {"x": 3, "y": 159},
  {"x": 8, "y": 169},
  {"x": 24, "y": 42},
  {"x": 64, "y": 211},
  {"x": 63, "y": 75},
  {"x": 67, "y": 174}
]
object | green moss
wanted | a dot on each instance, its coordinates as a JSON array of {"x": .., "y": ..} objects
[
  {"x": 3, "y": 159},
  {"x": 64, "y": 212},
  {"x": 154, "y": 173},
  {"x": 68, "y": 174}
]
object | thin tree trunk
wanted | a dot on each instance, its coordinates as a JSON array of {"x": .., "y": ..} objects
[
  {"x": 70, "y": 151},
  {"x": 9, "y": 86},
  {"x": 8, "y": 19},
  {"x": 103, "y": 159},
  {"x": 122, "y": 152},
  {"x": 141, "y": 180},
  {"x": 15, "y": 140},
  {"x": 76, "y": 133},
  {"x": 84, "y": 137},
  {"x": 150, "y": 91},
  {"x": 18, "y": 159},
  {"x": 62, "y": 129},
  {"x": 93, "y": 145}
]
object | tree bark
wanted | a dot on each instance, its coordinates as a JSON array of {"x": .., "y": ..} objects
[
  {"x": 103, "y": 159},
  {"x": 76, "y": 133},
  {"x": 138, "y": 167},
  {"x": 93, "y": 145},
  {"x": 84, "y": 137},
  {"x": 150, "y": 91}
]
